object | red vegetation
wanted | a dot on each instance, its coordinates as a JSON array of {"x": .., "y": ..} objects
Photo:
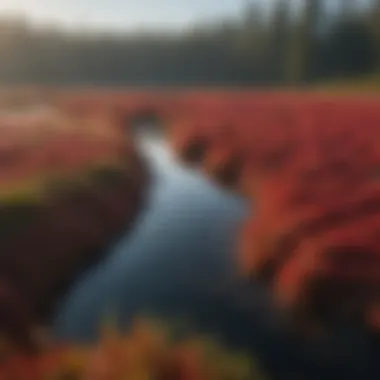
[
  {"x": 69, "y": 185},
  {"x": 312, "y": 166},
  {"x": 310, "y": 163}
]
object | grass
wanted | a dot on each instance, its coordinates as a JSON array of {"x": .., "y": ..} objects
[
  {"x": 34, "y": 190},
  {"x": 363, "y": 84}
]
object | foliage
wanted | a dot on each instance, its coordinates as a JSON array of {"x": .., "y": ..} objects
[
  {"x": 310, "y": 164},
  {"x": 146, "y": 352},
  {"x": 69, "y": 185}
]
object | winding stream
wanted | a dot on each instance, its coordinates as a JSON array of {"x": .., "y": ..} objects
[
  {"x": 181, "y": 244},
  {"x": 179, "y": 262}
]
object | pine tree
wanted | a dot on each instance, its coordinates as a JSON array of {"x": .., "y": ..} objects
[{"x": 302, "y": 45}]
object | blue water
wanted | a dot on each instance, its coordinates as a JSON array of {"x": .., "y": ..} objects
[
  {"x": 182, "y": 244},
  {"x": 179, "y": 261}
]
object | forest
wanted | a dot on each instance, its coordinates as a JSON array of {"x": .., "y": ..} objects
[{"x": 279, "y": 46}]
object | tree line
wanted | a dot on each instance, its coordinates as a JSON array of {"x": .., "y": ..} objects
[{"x": 287, "y": 45}]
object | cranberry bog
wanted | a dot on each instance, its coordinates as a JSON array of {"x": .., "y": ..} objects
[{"x": 308, "y": 165}]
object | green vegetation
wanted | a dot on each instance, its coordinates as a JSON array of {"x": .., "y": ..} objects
[{"x": 366, "y": 84}]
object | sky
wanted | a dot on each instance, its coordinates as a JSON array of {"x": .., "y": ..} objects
[
  {"x": 122, "y": 13},
  {"x": 127, "y": 14}
]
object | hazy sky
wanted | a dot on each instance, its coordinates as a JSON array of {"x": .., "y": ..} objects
[
  {"x": 127, "y": 14},
  {"x": 123, "y": 13}
]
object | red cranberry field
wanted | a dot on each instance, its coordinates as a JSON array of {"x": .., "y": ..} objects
[
  {"x": 69, "y": 186},
  {"x": 309, "y": 166}
]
